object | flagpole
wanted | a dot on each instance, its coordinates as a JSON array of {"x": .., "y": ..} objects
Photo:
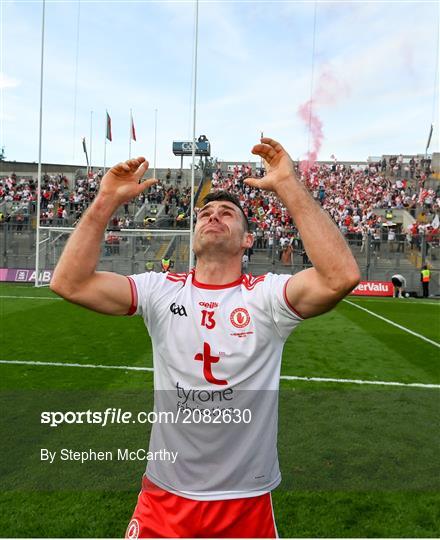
[
  {"x": 105, "y": 138},
  {"x": 76, "y": 79},
  {"x": 130, "y": 130},
  {"x": 105, "y": 149},
  {"x": 91, "y": 133},
  {"x": 191, "y": 221},
  {"x": 37, "y": 242},
  {"x": 155, "y": 142}
]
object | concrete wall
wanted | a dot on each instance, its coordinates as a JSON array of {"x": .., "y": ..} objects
[
  {"x": 225, "y": 164},
  {"x": 399, "y": 216},
  {"x": 435, "y": 163}
]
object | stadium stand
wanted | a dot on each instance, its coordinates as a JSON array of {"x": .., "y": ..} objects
[{"x": 386, "y": 208}]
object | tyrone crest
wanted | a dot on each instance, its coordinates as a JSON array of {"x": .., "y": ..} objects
[{"x": 240, "y": 317}]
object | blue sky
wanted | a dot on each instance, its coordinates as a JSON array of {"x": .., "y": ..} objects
[{"x": 254, "y": 71}]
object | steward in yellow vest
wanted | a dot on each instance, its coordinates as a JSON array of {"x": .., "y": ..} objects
[
  {"x": 425, "y": 278},
  {"x": 166, "y": 263}
]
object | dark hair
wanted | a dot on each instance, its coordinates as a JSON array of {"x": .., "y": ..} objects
[{"x": 229, "y": 197}]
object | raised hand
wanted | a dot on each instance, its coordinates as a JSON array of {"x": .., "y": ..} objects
[
  {"x": 121, "y": 182},
  {"x": 279, "y": 169}
]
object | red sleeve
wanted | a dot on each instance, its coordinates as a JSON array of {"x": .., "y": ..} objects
[
  {"x": 134, "y": 299},
  {"x": 288, "y": 303}
]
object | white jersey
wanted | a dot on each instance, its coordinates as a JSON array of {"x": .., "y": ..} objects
[
  {"x": 400, "y": 278},
  {"x": 216, "y": 349}
]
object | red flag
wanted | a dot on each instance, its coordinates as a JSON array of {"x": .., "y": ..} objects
[
  {"x": 429, "y": 138},
  {"x": 133, "y": 131},
  {"x": 109, "y": 127}
]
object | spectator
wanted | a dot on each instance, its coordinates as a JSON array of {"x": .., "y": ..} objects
[{"x": 244, "y": 263}]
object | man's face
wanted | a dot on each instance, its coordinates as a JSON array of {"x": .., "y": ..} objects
[{"x": 220, "y": 228}]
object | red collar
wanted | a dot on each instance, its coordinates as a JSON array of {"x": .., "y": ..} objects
[{"x": 210, "y": 286}]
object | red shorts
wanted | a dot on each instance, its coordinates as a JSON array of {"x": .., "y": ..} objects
[{"x": 160, "y": 514}]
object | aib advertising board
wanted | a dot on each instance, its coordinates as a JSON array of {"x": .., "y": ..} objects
[{"x": 22, "y": 275}]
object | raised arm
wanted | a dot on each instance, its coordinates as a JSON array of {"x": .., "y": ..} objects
[
  {"x": 75, "y": 277},
  {"x": 335, "y": 272}
]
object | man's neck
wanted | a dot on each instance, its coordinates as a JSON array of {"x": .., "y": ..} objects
[{"x": 215, "y": 273}]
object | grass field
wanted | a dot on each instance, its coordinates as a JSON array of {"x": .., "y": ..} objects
[{"x": 358, "y": 460}]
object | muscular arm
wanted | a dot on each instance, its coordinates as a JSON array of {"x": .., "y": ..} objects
[
  {"x": 75, "y": 277},
  {"x": 335, "y": 272}
]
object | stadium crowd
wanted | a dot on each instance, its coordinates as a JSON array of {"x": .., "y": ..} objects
[
  {"x": 59, "y": 203},
  {"x": 63, "y": 205},
  {"x": 351, "y": 195}
]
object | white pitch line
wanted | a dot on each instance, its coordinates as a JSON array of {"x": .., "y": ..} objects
[
  {"x": 69, "y": 364},
  {"x": 394, "y": 324},
  {"x": 406, "y": 301},
  {"x": 283, "y": 377},
  {"x": 357, "y": 381},
  {"x": 32, "y": 297}
]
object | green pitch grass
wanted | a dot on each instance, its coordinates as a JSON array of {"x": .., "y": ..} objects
[{"x": 357, "y": 460}]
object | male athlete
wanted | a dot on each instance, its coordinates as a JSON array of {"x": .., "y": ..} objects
[
  {"x": 217, "y": 337},
  {"x": 399, "y": 284}
]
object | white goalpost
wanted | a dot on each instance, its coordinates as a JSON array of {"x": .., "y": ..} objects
[
  {"x": 40, "y": 130},
  {"x": 124, "y": 251},
  {"x": 128, "y": 250}
]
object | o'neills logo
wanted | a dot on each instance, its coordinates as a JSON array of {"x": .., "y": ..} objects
[
  {"x": 374, "y": 288},
  {"x": 209, "y": 305},
  {"x": 240, "y": 317}
]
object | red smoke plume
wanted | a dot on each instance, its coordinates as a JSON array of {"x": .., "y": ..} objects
[
  {"x": 305, "y": 112},
  {"x": 328, "y": 91}
]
